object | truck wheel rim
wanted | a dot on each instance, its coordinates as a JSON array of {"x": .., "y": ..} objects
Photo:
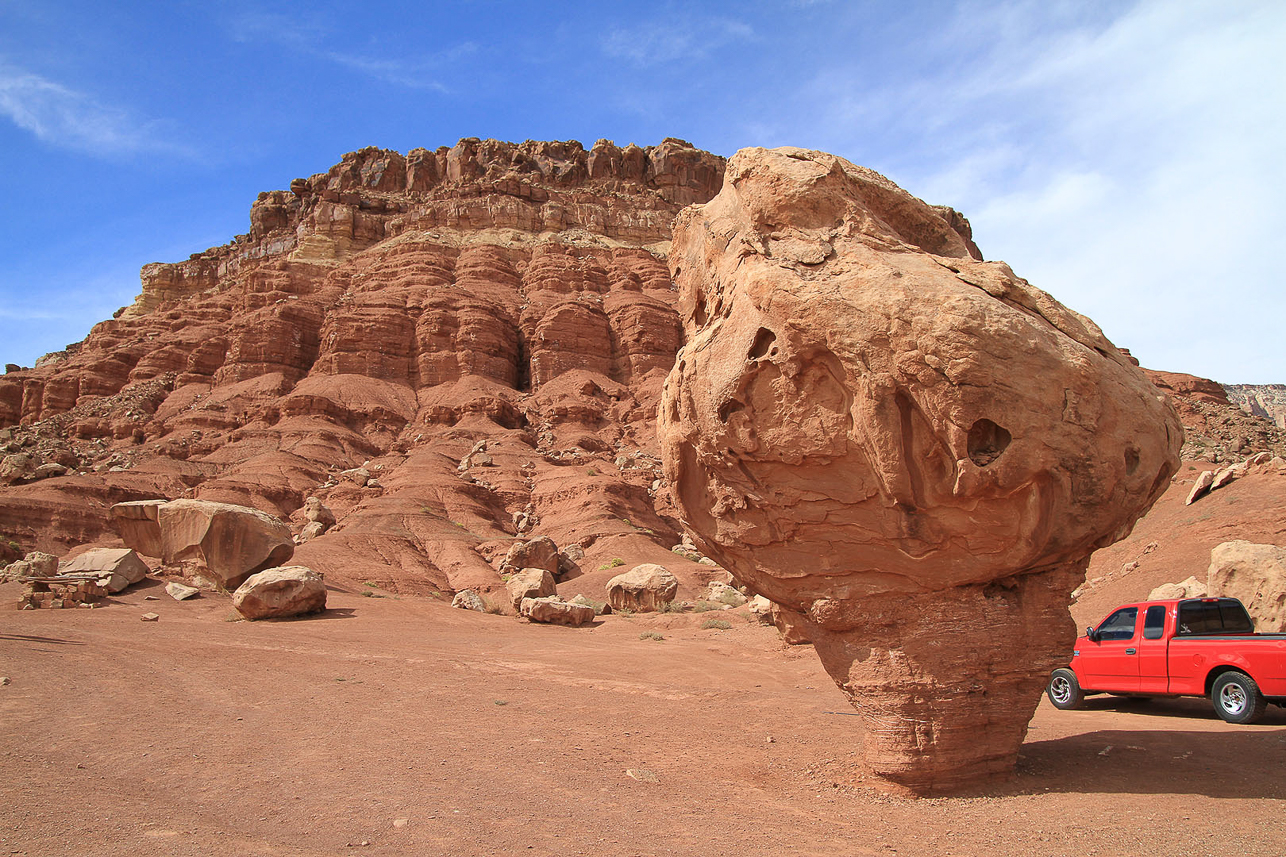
[
  {"x": 1232, "y": 698},
  {"x": 1061, "y": 688}
]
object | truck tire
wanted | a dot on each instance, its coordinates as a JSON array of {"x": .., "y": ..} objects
[
  {"x": 1237, "y": 699},
  {"x": 1064, "y": 691}
]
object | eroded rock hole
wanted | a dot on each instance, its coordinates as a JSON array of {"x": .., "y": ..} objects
[
  {"x": 728, "y": 408},
  {"x": 987, "y": 441},
  {"x": 1131, "y": 460},
  {"x": 699, "y": 312},
  {"x": 763, "y": 341}
]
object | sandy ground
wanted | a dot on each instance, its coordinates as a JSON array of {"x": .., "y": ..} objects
[{"x": 403, "y": 726}]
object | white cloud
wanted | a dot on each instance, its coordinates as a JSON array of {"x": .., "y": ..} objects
[
  {"x": 65, "y": 117},
  {"x": 678, "y": 38},
  {"x": 1131, "y": 167}
]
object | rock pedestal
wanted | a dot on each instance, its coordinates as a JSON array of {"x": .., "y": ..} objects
[{"x": 913, "y": 450}]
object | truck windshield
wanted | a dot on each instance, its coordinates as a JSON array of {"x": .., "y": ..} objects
[{"x": 1216, "y": 616}]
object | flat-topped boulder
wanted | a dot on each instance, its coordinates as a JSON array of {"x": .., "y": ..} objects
[{"x": 220, "y": 542}]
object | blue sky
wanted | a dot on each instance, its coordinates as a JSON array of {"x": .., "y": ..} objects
[{"x": 1129, "y": 158}]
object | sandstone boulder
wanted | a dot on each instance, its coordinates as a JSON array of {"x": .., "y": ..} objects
[
  {"x": 1190, "y": 588},
  {"x": 137, "y": 523},
  {"x": 644, "y": 588},
  {"x": 117, "y": 568},
  {"x": 34, "y": 564},
  {"x": 467, "y": 599},
  {"x": 219, "y": 542},
  {"x": 530, "y": 583},
  {"x": 902, "y": 444},
  {"x": 600, "y": 608},
  {"x": 722, "y": 593},
  {"x": 1200, "y": 487},
  {"x": 554, "y": 611},
  {"x": 1254, "y": 574},
  {"x": 280, "y": 592},
  {"x": 17, "y": 467},
  {"x": 179, "y": 592},
  {"x": 540, "y": 552}
]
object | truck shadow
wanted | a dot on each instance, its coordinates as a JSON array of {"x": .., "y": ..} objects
[{"x": 1214, "y": 759}]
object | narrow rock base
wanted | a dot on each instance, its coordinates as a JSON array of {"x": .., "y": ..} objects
[{"x": 947, "y": 685}]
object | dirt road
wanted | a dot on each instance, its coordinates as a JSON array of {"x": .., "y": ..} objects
[{"x": 406, "y": 727}]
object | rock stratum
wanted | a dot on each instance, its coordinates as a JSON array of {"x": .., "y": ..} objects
[
  {"x": 914, "y": 450},
  {"x": 379, "y": 326}
]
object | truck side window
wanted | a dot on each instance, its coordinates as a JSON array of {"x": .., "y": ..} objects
[
  {"x": 1154, "y": 622},
  {"x": 1120, "y": 625}
]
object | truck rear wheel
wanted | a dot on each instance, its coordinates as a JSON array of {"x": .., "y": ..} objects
[
  {"x": 1237, "y": 699},
  {"x": 1063, "y": 690}
]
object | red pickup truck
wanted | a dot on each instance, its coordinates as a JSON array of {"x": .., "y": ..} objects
[{"x": 1190, "y": 647}]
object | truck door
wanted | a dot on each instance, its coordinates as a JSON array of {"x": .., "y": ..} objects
[
  {"x": 1112, "y": 662},
  {"x": 1153, "y": 673}
]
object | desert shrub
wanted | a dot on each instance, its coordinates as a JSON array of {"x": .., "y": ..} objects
[
  {"x": 651, "y": 635},
  {"x": 614, "y": 562},
  {"x": 716, "y": 624}
]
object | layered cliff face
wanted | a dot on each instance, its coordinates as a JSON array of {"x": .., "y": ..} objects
[{"x": 387, "y": 317}]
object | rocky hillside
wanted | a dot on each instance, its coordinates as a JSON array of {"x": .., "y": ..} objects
[
  {"x": 377, "y": 324},
  {"x": 1262, "y": 400}
]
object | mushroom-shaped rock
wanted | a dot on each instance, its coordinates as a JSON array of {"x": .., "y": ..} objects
[
  {"x": 217, "y": 541},
  {"x": 530, "y": 583},
  {"x": 644, "y": 588},
  {"x": 552, "y": 610},
  {"x": 117, "y": 567},
  {"x": 913, "y": 450},
  {"x": 279, "y": 592}
]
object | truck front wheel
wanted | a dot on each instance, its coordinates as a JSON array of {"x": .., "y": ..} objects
[
  {"x": 1064, "y": 691},
  {"x": 1237, "y": 699}
]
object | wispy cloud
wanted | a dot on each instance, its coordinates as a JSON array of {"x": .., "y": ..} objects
[
  {"x": 679, "y": 38},
  {"x": 1129, "y": 163},
  {"x": 312, "y": 37},
  {"x": 65, "y": 117}
]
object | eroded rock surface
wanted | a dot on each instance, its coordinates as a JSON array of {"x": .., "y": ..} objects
[
  {"x": 221, "y": 543},
  {"x": 1254, "y": 574},
  {"x": 914, "y": 450}
]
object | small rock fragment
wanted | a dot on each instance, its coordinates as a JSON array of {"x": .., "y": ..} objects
[
  {"x": 180, "y": 592},
  {"x": 151, "y": 617}
]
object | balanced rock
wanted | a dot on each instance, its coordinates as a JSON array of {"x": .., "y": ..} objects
[
  {"x": 1254, "y": 574},
  {"x": 552, "y": 610},
  {"x": 644, "y": 588},
  {"x": 117, "y": 568},
  {"x": 913, "y": 450},
  {"x": 279, "y": 592},
  {"x": 220, "y": 542},
  {"x": 530, "y": 583}
]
